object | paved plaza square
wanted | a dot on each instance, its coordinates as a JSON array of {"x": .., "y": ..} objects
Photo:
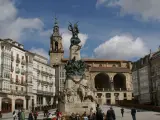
[{"x": 142, "y": 115}]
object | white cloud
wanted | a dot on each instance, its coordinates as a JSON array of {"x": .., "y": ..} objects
[
  {"x": 12, "y": 26},
  {"x": 40, "y": 51},
  {"x": 146, "y": 9},
  {"x": 122, "y": 47}
]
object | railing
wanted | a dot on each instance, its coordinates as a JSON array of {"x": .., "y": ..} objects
[
  {"x": 44, "y": 92},
  {"x": 17, "y": 60},
  {"x": 105, "y": 89},
  {"x": 17, "y": 70},
  {"x": 23, "y": 71},
  {"x": 14, "y": 92},
  {"x": 23, "y": 62}
]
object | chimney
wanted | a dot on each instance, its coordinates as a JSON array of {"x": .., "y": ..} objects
[{"x": 150, "y": 51}]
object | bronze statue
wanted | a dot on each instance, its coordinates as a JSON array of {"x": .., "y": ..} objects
[{"x": 74, "y": 29}]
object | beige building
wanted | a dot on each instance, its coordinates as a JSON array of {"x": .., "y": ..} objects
[
  {"x": 111, "y": 79},
  {"x": 20, "y": 86}
]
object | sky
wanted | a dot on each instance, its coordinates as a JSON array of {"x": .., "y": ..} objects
[{"x": 109, "y": 29}]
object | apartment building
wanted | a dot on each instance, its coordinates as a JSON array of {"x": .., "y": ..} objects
[{"x": 19, "y": 80}]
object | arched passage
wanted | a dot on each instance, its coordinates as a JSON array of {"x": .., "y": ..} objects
[
  {"x": 119, "y": 81},
  {"x": 102, "y": 81},
  {"x": 18, "y": 104},
  {"x": 6, "y": 105}
]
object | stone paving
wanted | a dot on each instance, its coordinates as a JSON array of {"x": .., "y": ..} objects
[{"x": 142, "y": 115}]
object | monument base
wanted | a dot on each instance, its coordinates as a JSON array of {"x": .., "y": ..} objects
[{"x": 80, "y": 108}]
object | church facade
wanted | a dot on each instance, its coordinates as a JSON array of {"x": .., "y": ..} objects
[{"x": 111, "y": 79}]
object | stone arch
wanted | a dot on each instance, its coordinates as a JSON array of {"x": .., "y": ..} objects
[
  {"x": 6, "y": 105},
  {"x": 102, "y": 81},
  {"x": 119, "y": 81},
  {"x": 18, "y": 104}
]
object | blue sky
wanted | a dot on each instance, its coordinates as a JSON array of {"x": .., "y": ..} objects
[{"x": 110, "y": 29}]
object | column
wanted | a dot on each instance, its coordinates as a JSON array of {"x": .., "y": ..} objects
[
  {"x": 112, "y": 84},
  {"x": 13, "y": 104},
  {"x": 44, "y": 101},
  {"x": 0, "y": 103},
  {"x": 24, "y": 103}
]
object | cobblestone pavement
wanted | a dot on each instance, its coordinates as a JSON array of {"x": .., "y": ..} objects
[
  {"x": 9, "y": 116},
  {"x": 141, "y": 115}
]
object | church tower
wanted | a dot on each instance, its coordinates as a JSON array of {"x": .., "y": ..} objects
[{"x": 56, "y": 51}]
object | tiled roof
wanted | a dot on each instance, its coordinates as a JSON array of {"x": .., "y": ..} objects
[
  {"x": 109, "y": 69},
  {"x": 96, "y": 60}
]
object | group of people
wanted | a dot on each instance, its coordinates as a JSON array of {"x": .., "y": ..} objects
[
  {"x": 99, "y": 115},
  {"x": 21, "y": 115}
]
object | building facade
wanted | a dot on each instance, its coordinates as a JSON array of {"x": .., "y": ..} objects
[
  {"x": 18, "y": 83},
  {"x": 111, "y": 79},
  {"x": 155, "y": 77},
  {"x": 141, "y": 78}
]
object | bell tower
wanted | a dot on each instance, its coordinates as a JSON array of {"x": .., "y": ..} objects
[{"x": 56, "y": 51}]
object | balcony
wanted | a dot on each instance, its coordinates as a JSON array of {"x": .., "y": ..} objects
[
  {"x": 17, "y": 70},
  {"x": 12, "y": 81},
  {"x": 41, "y": 92},
  {"x": 17, "y": 60},
  {"x": 23, "y": 83},
  {"x": 23, "y": 62},
  {"x": 12, "y": 58},
  {"x": 17, "y": 82},
  {"x": 28, "y": 81},
  {"x": 23, "y": 71},
  {"x": 19, "y": 93}
]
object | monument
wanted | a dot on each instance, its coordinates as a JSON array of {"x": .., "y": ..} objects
[{"x": 77, "y": 95}]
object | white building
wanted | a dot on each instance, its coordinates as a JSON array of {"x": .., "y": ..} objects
[
  {"x": 44, "y": 81},
  {"x": 19, "y": 81}
]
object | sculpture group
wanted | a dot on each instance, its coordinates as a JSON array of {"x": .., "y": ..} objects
[{"x": 76, "y": 87}]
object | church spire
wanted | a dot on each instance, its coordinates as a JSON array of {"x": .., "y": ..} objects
[{"x": 56, "y": 28}]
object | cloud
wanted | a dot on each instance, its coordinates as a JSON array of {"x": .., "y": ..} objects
[
  {"x": 121, "y": 47},
  {"x": 145, "y": 9},
  {"x": 14, "y": 27},
  {"x": 40, "y": 51}
]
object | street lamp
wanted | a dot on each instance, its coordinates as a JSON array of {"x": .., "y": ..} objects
[{"x": 57, "y": 103}]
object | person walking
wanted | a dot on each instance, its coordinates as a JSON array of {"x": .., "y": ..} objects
[
  {"x": 35, "y": 115},
  {"x": 0, "y": 114},
  {"x": 133, "y": 113},
  {"x": 22, "y": 116},
  {"x": 30, "y": 117},
  {"x": 122, "y": 111},
  {"x": 14, "y": 115},
  {"x": 110, "y": 114},
  {"x": 19, "y": 115}
]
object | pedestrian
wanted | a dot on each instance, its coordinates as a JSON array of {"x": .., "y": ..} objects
[
  {"x": 133, "y": 113},
  {"x": 30, "y": 117},
  {"x": 77, "y": 117},
  {"x": 72, "y": 117},
  {"x": 110, "y": 114},
  {"x": 85, "y": 117},
  {"x": 22, "y": 116},
  {"x": 122, "y": 111},
  {"x": 19, "y": 115},
  {"x": 35, "y": 115},
  {"x": 14, "y": 115},
  {"x": 0, "y": 114}
]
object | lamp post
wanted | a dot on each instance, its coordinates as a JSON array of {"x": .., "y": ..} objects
[{"x": 57, "y": 103}]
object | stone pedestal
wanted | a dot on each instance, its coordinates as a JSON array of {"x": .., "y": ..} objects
[
  {"x": 75, "y": 52},
  {"x": 68, "y": 108},
  {"x": 76, "y": 105}
]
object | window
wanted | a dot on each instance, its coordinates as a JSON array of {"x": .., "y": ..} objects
[
  {"x": 2, "y": 47},
  {"x": 17, "y": 55},
  {"x": 16, "y": 78},
  {"x": 108, "y": 95},
  {"x": 17, "y": 65},
  {"x": 22, "y": 79},
  {"x": 16, "y": 88},
  {"x": 22, "y": 57},
  {"x": 125, "y": 95},
  {"x": 21, "y": 88}
]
